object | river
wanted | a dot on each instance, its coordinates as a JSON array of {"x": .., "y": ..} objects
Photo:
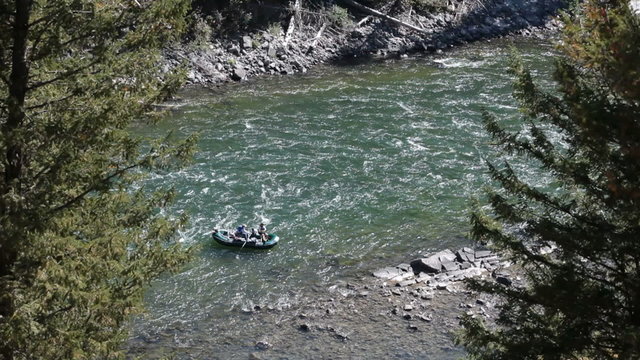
[{"x": 354, "y": 166}]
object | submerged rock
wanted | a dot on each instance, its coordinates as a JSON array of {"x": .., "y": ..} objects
[{"x": 263, "y": 345}]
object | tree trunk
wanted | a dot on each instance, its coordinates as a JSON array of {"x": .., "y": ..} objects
[{"x": 13, "y": 162}]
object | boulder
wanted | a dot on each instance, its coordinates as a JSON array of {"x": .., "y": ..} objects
[
  {"x": 430, "y": 265},
  {"x": 423, "y": 277},
  {"x": 247, "y": 42},
  {"x": 387, "y": 273},
  {"x": 449, "y": 266},
  {"x": 234, "y": 50},
  {"x": 445, "y": 255},
  {"x": 404, "y": 267},
  {"x": 238, "y": 74},
  {"x": 465, "y": 255},
  {"x": 272, "y": 51},
  {"x": 263, "y": 345},
  {"x": 483, "y": 254},
  {"x": 504, "y": 280}
]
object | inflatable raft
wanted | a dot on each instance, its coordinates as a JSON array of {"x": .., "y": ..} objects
[{"x": 223, "y": 237}]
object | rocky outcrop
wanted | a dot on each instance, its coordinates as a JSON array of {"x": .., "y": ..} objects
[
  {"x": 440, "y": 269},
  {"x": 261, "y": 53}
]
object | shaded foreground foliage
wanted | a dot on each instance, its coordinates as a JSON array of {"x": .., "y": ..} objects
[
  {"x": 583, "y": 300},
  {"x": 77, "y": 242}
]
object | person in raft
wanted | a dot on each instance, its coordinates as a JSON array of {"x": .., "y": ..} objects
[
  {"x": 262, "y": 230},
  {"x": 241, "y": 232}
]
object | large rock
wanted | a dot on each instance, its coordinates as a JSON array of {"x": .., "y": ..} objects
[
  {"x": 247, "y": 42},
  {"x": 449, "y": 266},
  {"x": 445, "y": 255},
  {"x": 481, "y": 254},
  {"x": 263, "y": 345},
  {"x": 404, "y": 267},
  {"x": 434, "y": 263},
  {"x": 428, "y": 265},
  {"x": 238, "y": 74},
  {"x": 234, "y": 50},
  {"x": 387, "y": 273},
  {"x": 504, "y": 280},
  {"x": 272, "y": 51},
  {"x": 466, "y": 255}
]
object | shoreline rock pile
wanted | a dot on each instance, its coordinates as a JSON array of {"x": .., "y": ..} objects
[{"x": 438, "y": 270}]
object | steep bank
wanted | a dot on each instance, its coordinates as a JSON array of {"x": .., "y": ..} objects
[{"x": 274, "y": 53}]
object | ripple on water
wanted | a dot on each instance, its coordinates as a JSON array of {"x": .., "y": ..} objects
[{"x": 349, "y": 165}]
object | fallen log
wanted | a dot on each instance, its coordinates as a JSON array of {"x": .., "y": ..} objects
[{"x": 370, "y": 11}]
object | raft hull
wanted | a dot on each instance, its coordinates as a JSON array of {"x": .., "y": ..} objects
[{"x": 222, "y": 238}]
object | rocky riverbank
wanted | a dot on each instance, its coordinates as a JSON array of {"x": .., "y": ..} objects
[
  {"x": 263, "y": 53},
  {"x": 410, "y": 310}
]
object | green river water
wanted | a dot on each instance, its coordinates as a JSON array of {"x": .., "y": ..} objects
[{"x": 355, "y": 167}]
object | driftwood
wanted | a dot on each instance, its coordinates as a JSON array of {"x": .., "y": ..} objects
[
  {"x": 363, "y": 21},
  {"x": 315, "y": 39},
  {"x": 292, "y": 22},
  {"x": 370, "y": 11}
]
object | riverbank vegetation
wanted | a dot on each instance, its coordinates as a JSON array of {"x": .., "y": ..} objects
[
  {"x": 78, "y": 242},
  {"x": 583, "y": 300},
  {"x": 229, "y": 17}
]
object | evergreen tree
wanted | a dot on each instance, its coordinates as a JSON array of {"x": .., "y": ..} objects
[
  {"x": 583, "y": 300},
  {"x": 77, "y": 242}
]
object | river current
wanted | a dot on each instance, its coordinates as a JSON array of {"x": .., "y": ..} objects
[{"x": 354, "y": 166}]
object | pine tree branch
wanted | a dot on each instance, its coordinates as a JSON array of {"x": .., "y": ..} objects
[
  {"x": 94, "y": 187},
  {"x": 49, "y": 103},
  {"x": 64, "y": 75}
]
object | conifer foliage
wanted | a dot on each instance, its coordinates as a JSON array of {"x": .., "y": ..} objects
[
  {"x": 583, "y": 300},
  {"x": 77, "y": 242}
]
